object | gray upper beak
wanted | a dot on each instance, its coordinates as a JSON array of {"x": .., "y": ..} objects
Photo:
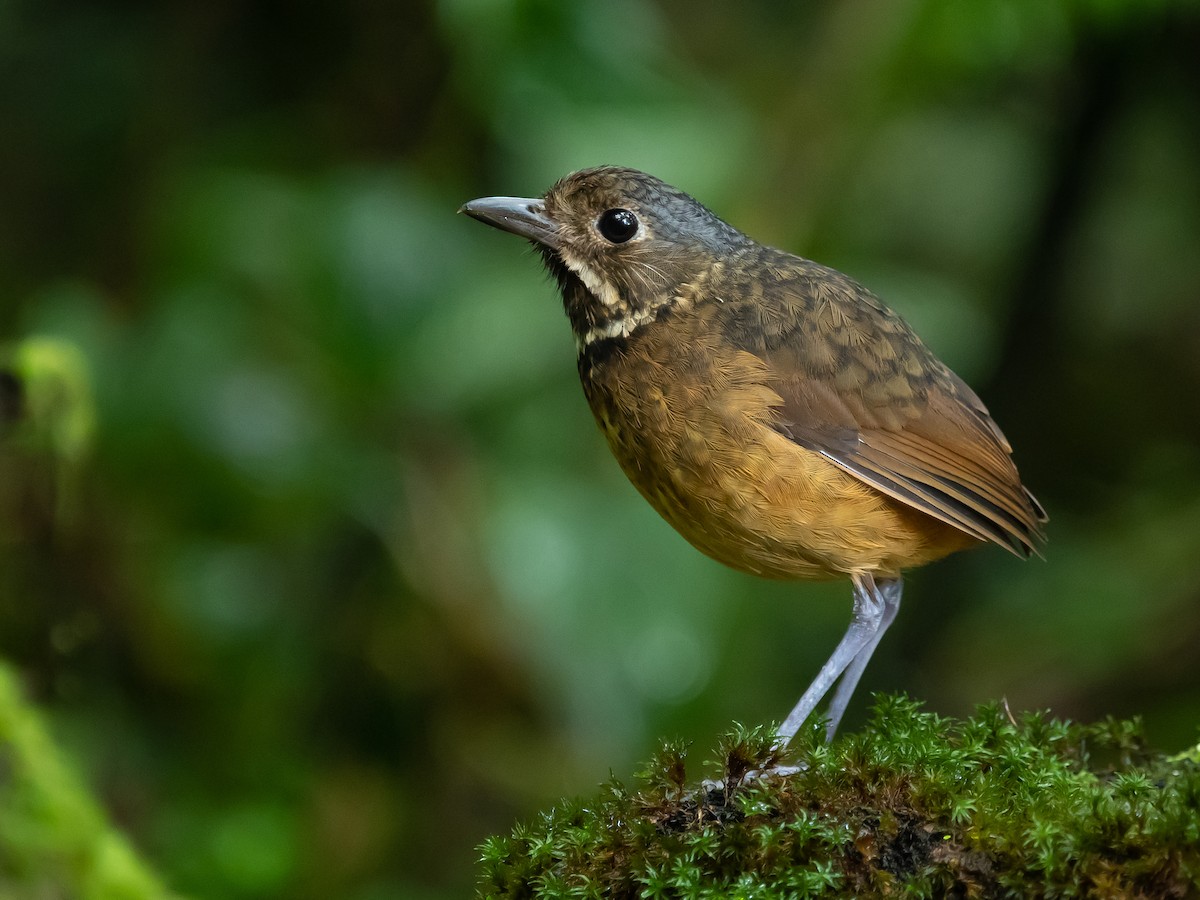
[{"x": 523, "y": 216}]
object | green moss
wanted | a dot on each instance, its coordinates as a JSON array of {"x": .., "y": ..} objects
[{"x": 915, "y": 805}]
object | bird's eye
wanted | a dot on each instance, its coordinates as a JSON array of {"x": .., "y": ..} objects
[{"x": 617, "y": 225}]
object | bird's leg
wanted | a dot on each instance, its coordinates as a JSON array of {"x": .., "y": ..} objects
[
  {"x": 888, "y": 591},
  {"x": 865, "y": 628}
]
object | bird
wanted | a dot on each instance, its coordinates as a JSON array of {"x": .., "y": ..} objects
[{"x": 773, "y": 410}]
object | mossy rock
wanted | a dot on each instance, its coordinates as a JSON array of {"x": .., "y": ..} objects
[{"x": 915, "y": 805}]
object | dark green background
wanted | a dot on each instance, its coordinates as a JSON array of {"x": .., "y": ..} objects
[{"x": 350, "y": 580}]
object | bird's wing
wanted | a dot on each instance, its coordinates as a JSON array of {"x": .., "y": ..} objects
[{"x": 859, "y": 387}]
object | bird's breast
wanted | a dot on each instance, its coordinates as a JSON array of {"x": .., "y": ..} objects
[{"x": 689, "y": 418}]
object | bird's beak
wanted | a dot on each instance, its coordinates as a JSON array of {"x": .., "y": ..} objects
[{"x": 523, "y": 216}]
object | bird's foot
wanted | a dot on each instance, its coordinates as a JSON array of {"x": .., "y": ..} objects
[{"x": 752, "y": 775}]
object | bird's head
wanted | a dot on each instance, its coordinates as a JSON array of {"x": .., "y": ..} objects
[{"x": 622, "y": 244}]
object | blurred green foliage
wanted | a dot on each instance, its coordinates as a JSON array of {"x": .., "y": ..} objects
[
  {"x": 347, "y": 579},
  {"x": 54, "y": 841}
]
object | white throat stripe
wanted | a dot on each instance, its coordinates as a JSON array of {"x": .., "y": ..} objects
[
  {"x": 622, "y": 327},
  {"x": 601, "y": 289}
]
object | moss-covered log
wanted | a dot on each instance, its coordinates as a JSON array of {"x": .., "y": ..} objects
[{"x": 915, "y": 805}]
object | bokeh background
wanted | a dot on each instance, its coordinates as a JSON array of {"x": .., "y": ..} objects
[{"x": 333, "y": 575}]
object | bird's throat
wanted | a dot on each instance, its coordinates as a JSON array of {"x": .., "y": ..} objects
[{"x": 599, "y": 310}]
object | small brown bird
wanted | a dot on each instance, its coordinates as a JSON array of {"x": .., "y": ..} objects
[{"x": 773, "y": 410}]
